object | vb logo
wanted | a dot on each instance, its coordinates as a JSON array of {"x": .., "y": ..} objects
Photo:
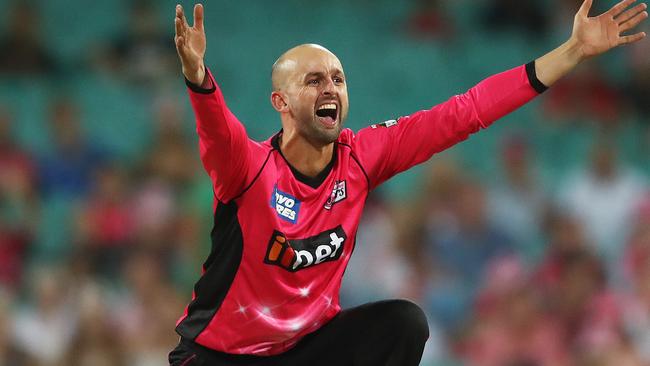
[{"x": 294, "y": 255}]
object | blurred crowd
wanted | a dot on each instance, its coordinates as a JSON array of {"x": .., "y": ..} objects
[{"x": 98, "y": 254}]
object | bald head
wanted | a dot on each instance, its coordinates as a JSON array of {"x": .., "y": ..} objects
[
  {"x": 310, "y": 92},
  {"x": 287, "y": 64}
]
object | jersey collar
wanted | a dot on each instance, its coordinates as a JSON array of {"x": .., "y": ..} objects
[{"x": 313, "y": 182}]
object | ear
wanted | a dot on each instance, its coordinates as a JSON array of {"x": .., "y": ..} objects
[{"x": 278, "y": 102}]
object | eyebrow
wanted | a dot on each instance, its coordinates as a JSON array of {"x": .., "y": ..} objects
[{"x": 319, "y": 73}]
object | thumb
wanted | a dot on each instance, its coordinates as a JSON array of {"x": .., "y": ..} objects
[{"x": 584, "y": 9}]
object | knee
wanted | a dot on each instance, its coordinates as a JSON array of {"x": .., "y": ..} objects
[{"x": 408, "y": 319}]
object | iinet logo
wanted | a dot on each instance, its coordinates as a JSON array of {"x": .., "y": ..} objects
[{"x": 294, "y": 255}]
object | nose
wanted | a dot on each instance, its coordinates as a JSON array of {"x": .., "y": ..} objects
[{"x": 329, "y": 88}]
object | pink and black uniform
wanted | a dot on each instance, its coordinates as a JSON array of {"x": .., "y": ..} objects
[{"x": 281, "y": 240}]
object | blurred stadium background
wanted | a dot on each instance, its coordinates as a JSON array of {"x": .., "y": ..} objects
[{"x": 527, "y": 245}]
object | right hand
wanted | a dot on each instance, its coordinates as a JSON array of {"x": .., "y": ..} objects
[{"x": 190, "y": 44}]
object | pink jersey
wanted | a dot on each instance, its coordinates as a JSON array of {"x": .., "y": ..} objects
[{"x": 281, "y": 240}]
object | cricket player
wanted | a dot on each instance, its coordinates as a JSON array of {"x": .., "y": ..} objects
[{"x": 286, "y": 210}]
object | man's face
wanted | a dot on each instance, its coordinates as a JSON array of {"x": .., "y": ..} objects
[{"x": 317, "y": 95}]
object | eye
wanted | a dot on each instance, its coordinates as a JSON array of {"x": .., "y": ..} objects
[
  {"x": 312, "y": 82},
  {"x": 338, "y": 80}
]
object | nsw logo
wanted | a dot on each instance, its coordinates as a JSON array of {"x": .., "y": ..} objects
[
  {"x": 338, "y": 194},
  {"x": 294, "y": 255},
  {"x": 286, "y": 205}
]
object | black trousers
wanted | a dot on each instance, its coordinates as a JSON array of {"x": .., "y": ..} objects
[{"x": 385, "y": 333}]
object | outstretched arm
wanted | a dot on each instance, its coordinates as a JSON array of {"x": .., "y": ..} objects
[
  {"x": 226, "y": 151},
  {"x": 592, "y": 36},
  {"x": 413, "y": 139}
]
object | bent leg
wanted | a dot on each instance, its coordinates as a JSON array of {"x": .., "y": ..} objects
[{"x": 385, "y": 333}]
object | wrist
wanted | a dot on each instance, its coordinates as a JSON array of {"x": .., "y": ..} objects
[
  {"x": 196, "y": 76},
  {"x": 574, "y": 51}
]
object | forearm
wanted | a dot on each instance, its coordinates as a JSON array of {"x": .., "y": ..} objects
[
  {"x": 390, "y": 149},
  {"x": 223, "y": 142},
  {"x": 554, "y": 65},
  {"x": 216, "y": 124},
  {"x": 488, "y": 101}
]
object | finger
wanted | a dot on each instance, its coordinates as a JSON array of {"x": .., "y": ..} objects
[
  {"x": 180, "y": 48},
  {"x": 631, "y": 38},
  {"x": 584, "y": 9},
  {"x": 633, "y": 22},
  {"x": 179, "y": 11},
  {"x": 628, "y": 14},
  {"x": 181, "y": 25},
  {"x": 198, "y": 17},
  {"x": 180, "y": 14},
  {"x": 178, "y": 26},
  {"x": 618, "y": 8}
]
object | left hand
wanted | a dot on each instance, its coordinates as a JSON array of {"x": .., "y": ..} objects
[{"x": 596, "y": 35}]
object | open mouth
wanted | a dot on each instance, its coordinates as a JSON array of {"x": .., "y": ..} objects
[{"x": 327, "y": 114}]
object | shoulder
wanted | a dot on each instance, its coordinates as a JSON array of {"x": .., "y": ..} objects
[
  {"x": 350, "y": 140},
  {"x": 346, "y": 137}
]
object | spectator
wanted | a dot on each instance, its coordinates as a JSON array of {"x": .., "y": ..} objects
[
  {"x": 9, "y": 353},
  {"x": 513, "y": 15},
  {"x": 146, "y": 308},
  {"x": 95, "y": 343},
  {"x": 104, "y": 223},
  {"x": 637, "y": 265},
  {"x": 566, "y": 241},
  {"x": 67, "y": 170},
  {"x": 429, "y": 20},
  {"x": 517, "y": 201},
  {"x": 50, "y": 319},
  {"x": 18, "y": 204},
  {"x": 581, "y": 281},
  {"x": 460, "y": 247},
  {"x": 165, "y": 174},
  {"x": 143, "y": 54},
  {"x": 22, "y": 51},
  {"x": 467, "y": 246},
  {"x": 513, "y": 327},
  {"x": 379, "y": 268},
  {"x": 585, "y": 95},
  {"x": 154, "y": 210},
  {"x": 185, "y": 254},
  {"x": 638, "y": 86},
  {"x": 171, "y": 156},
  {"x": 603, "y": 197}
]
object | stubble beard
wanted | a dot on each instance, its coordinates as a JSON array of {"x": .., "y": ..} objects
[
  {"x": 312, "y": 129},
  {"x": 321, "y": 135}
]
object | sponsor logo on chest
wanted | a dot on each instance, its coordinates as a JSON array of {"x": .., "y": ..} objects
[
  {"x": 296, "y": 254},
  {"x": 286, "y": 206}
]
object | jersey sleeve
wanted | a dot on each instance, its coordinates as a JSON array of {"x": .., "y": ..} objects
[
  {"x": 224, "y": 146},
  {"x": 391, "y": 147}
]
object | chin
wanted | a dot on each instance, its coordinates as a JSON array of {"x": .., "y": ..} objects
[
  {"x": 328, "y": 136},
  {"x": 331, "y": 136}
]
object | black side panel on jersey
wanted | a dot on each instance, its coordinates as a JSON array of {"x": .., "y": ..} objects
[{"x": 220, "y": 269}]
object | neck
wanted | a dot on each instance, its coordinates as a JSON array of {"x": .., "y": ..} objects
[{"x": 309, "y": 159}]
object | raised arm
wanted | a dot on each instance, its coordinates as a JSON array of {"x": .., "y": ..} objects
[
  {"x": 226, "y": 151},
  {"x": 190, "y": 45},
  {"x": 592, "y": 36},
  {"x": 390, "y": 148}
]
